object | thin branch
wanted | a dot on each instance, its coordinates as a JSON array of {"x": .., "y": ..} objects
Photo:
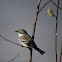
[
  {"x": 61, "y": 52},
  {"x": 60, "y": 57},
  {"x": 56, "y": 5},
  {"x": 30, "y": 55},
  {"x": 34, "y": 26},
  {"x": 10, "y": 41},
  {"x": 56, "y": 33},
  {"x": 35, "y": 21},
  {"x": 44, "y": 5},
  {"x": 47, "y": 3},
  {"x": 14, "y": 58},
  {"x": 61, "y": 47}
]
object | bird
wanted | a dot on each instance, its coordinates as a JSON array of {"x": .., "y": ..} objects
[{"x": 26, "y": 40}]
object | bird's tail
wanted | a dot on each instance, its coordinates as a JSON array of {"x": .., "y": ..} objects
[{"x": 39, "y": 50}]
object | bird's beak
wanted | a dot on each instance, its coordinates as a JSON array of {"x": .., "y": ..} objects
[{"x": 16, "y": 31}]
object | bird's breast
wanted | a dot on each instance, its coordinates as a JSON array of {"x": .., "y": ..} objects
[{"x": 23, "y": 42}]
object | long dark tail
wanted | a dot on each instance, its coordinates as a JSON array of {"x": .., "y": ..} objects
[
  {"x": 39, "y": 50},
  {"x": 36, "y": 48}
]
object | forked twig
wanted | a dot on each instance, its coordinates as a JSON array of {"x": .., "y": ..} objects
[
  {"x": 47, "y": 3},
  {"x": 56, "y": 5},
  {"x": 44, "y": 5},
  {"x": 34, "y": 26},
  {"x": 35, "y": 21}
]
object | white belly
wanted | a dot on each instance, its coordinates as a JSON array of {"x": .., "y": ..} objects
[{"x": 23, "y": 43}]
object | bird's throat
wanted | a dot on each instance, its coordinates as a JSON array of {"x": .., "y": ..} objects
[{"x": 20, "y": 34}]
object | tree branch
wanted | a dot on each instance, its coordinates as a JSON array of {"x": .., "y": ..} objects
[
  {"x": 30, "y": 55},
  {"x": 56, "y": 5},
  {"x": 47, "y": 3},
  {"x": 44, "y": 5},
  {"x": 35, "y": 21},
  {"x": 10, "y": 41},
  {"x": 34, "y": 26},
  {"x": 61, "y": 52},
  {"x": 14, "y": 58},
  {"x": 56, "y": 32}
]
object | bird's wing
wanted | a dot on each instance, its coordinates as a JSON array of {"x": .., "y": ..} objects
[{"x": 25, "y": 38}]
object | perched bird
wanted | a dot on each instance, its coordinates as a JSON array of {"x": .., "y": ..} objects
[{"x": 26, "y": 41}]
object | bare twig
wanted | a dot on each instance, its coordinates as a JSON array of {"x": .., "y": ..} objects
[
  {"x": 34, "y": 26},
  {"x": 44, "y": 5},
  {"x": 47, "y": 3},
  {"x": 35, "y": 21},
  {"x": 61, "y": 52},
  {"x": 56, "y": 33},
  {"x": 10, "y": 41},
  {"x": 61, "y": 47},
  {"x": 56, "y": 5},
  {"x": 14, "y": 58},
  {"x": 30, "y": 55},
  {"x": 60, "y": 57}
]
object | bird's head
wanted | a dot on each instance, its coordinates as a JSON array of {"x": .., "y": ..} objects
[{"x": 21, "y": 31}]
